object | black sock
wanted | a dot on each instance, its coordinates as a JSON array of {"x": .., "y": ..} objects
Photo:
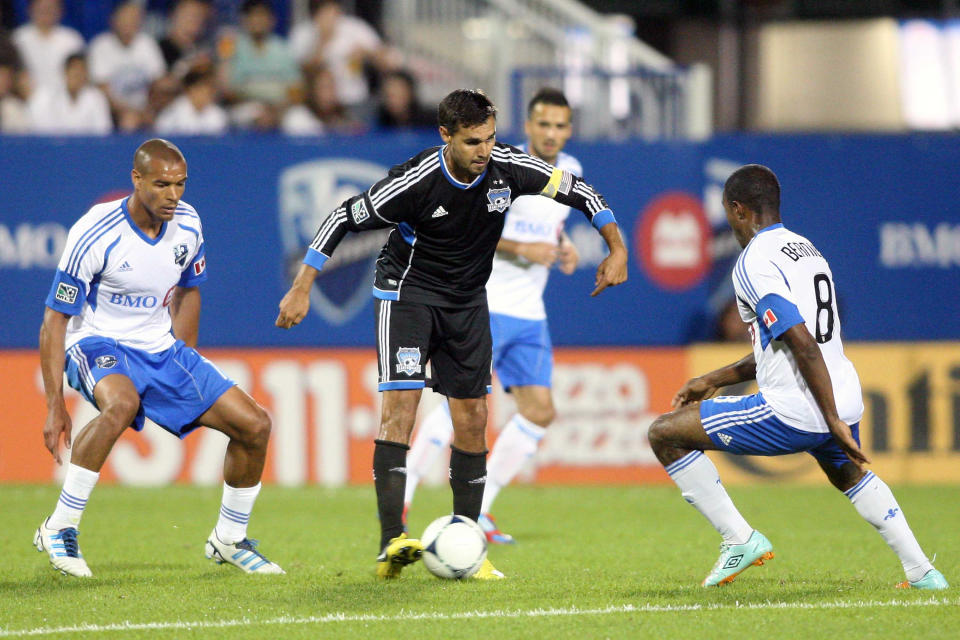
[
  {"x": 390, "y": 480},
  {"x": 468, "y": 478}
]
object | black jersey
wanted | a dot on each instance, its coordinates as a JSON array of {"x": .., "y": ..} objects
[{"x": 440, "y": 251}]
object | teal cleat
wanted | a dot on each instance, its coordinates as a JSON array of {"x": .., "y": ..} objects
[
  {"x": 932, "y": 580},
  {"x": 736, "y": 558}
]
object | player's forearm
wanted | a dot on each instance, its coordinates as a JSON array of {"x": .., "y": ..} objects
[
  {"x": 813, "y": 369},
  {"x": 304, "y": 278},
  {"x": 509, "y": 246},
  {"x": 743, "y": 370},
  {"x": 611, "y": 235},
  {"x": 185, "y": 310},
  {"x": 53, "y": 332}
]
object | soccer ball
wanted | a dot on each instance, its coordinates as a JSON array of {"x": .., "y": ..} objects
[{"x": 454, "y": 547}]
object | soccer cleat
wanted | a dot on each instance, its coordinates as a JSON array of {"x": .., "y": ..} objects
[
  {"x": 488, "y": 572},
  {"x": 243, "y": 555},
  {"x": 494, "y": 535},
  {"x": 398, "y": 553},
  {"x": 736, "y": 558},
  {"x": 932, "y": 580},
  {"x": 62, "y": 548}
]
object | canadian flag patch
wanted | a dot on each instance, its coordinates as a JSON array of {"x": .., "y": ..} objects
[
  {"x": 201, "y": 264},
  {"x": 769, "y": 318}
]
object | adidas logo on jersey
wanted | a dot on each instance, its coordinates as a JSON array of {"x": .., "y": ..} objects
[
  {"x": 125, "y": 267},
  {"x": 440, "y": 212},
  {"x": 724, "y": 438}
]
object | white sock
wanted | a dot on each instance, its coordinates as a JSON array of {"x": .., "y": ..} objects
[
  {"x": 874, "y": 501},
  {"x": 433, "y": 436},
  {"x": 235, "y": 512},
  {"x": 700, "y": 485},
  {"x": 515, "y": 445},
  {"x": 78, "y": 483}
]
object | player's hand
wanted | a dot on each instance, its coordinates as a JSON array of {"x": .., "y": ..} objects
[
  {"x": 569, "y": 257},
  {"x": 293, "y": 308},
  {"x": 58, "y": 422},
  {"x": 539, "y": 252},
  {"x": 694, "y": 390},
  {"x": 840, "y": 431},
  {"x": 612, "y": 271}
]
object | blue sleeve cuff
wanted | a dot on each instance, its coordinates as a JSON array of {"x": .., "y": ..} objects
[
  {"x": 602, "y": 218},
  {"x": 775, "y": 315},
  {"x": 315, "y": 259},
  {"x": 196, "y": 273},
  {"x": 67, "y": 294}
]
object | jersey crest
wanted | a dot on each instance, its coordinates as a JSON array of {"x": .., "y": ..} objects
[
  {"x": 498, "y": 200},
  {"x": 180, "y": 255}
]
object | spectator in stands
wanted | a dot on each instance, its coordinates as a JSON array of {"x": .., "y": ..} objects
[
  {"x": 399, "y": 107},
  {"x": 44, "y": 43},
  {"x": 322, "y": 111},
  {"x": 260, "y": 73},
  {"x": 124, "y": 62},
  {"x": 183, "y": 47},
  {"x": 13, "y": 112},
  {"x": 344, "y": 44},
  {"x": 196, "y": 112},
  {"x": 76, "y": 108}
]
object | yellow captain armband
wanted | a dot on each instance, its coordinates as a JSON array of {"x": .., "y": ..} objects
[{"x": 560, "y": 181}]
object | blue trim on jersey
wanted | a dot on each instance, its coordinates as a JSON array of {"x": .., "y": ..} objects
[
  {"x": 407, "y": 233},
  {"x": 138, "y": 230},
  {"x": 602, "y": 218},
  {"x": 76, "y": 307},
  {"x": 189, "y": 277},
  {"x": 191, "y": 230},
  {"x": 182, "y": 210},
  {"x": 454, "y": 181},
  {"x": 401, "y": 384},
  {"x": 782, "y": 275},
  {"x": 87, "y": 240},
  {"x": 383, "y": 294},
  {"x": 315, "y": 259},
  {"x": 740, "y": 272},
  {"x": 786, "y": 313}
]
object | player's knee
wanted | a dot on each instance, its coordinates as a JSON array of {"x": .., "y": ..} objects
[
  {"x": 257, "y": 430},
  {"x": 120, "y": 412},
  {"x": 658, "y": 432},
  {"x": 541, "y": 415}
]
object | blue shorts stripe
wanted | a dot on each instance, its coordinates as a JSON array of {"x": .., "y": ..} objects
[
  {"x": 723, "y": 420},
  {"x": 401, "y": 384}
]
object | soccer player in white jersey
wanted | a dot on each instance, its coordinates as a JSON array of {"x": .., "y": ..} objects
[
  {"x": 809, "y": 395},
  {"x": 532, "y": 241},
  {"x": 122, "y": 319}
]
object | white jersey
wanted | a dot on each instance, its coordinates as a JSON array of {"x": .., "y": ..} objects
[
  {"x": 515, "y": 287},
  {"x": 779, "y": 274},
  {"x": 117, "y": 282}
]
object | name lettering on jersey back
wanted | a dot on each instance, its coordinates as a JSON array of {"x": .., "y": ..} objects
[
  {"x": 797, "y": 250},
  {"x": 135, "y": 302}
]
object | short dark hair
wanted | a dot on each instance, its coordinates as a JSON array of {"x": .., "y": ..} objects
[
  {"x": 197, "y": 76},
  {"x": 73, "y": 57},
  {"x": 754, "y": 186},
  {"x": 250, "y": 5},
  {"x": 314, "y": 5},
  {"x": 547, "y": 95},
  {"x": 464, "y": 108}
]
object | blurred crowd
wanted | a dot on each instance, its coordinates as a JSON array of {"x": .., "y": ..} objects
[{"x": 198, "y": 76}]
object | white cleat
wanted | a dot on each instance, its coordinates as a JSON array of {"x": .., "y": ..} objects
[
  {"x": 243, "y": 555},
  {"x": 62, "y": 548}
]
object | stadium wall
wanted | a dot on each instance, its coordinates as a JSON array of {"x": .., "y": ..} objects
[{"x": 325, "y": 408}]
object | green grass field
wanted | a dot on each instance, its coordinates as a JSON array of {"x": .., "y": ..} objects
[{"x": 590, "y": 563}]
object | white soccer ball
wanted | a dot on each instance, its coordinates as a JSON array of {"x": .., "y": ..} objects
[{"x": 454, "y": 547}]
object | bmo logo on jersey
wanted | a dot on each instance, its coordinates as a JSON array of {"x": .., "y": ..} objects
[
  {"x": 308, "y": 192},
  {"x": 134, "y": 302}
]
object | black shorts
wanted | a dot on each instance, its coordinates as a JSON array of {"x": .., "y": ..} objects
[{"x": 455, "y": 341}]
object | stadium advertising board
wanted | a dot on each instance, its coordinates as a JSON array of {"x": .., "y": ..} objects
[
  {"x": 877, "y": 206},
  {"x": 325, "y": 410}
]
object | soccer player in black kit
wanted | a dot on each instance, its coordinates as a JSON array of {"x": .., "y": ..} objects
[{"x": 446, "y": 206}]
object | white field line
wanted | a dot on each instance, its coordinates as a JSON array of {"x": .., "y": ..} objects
[{"x": 404, "y": 616}]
